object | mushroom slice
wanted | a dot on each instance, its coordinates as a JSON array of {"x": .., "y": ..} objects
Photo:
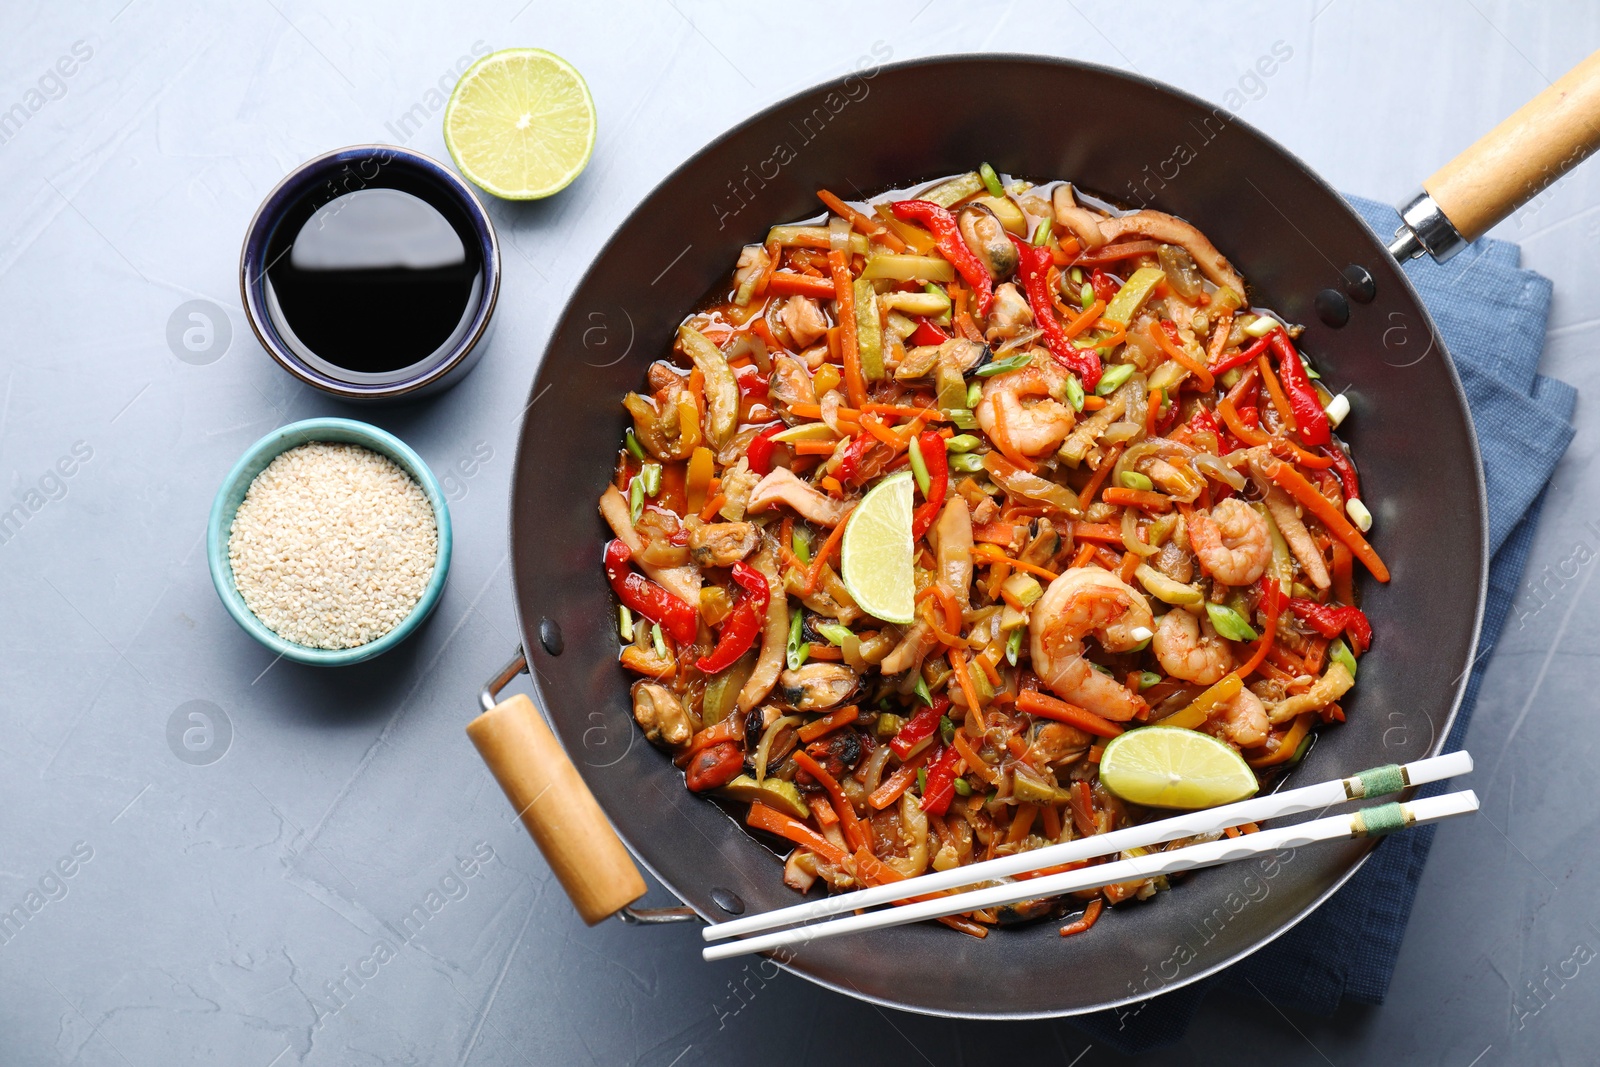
[{"x": 817, "y": 686}]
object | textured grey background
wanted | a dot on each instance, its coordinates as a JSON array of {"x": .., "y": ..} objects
[{"x": 227, "y": 912}]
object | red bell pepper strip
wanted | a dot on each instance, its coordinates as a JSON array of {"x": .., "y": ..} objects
[
  {"x": 1205, "y": 422},
  {"x": 850, "y": 459},
  {"x": 1344, "y": 469},
  {"x": 752, "y": 383},
  {"x": 927, "y": 333},
  {"x": 638, "y": 593},
  {"x": 1241, "y": 357},
  {"x": 743, "y": 624},
  {"x": 1104, "y": 285},
  {"x": 1034, "y": 269},
  {"x": 921, "y": 726},
  {"x": 1309, "y": 418},
  {"x": 931, "y": 446},
  {"x": 760, "y": 451},
  {"x": 1330, "y": 620},
  {"x": 940, "y": 787},
  {"x": 952, "y": 246}
]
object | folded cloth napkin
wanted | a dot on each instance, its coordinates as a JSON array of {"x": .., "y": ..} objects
[{"x": 1492, "y": 314}]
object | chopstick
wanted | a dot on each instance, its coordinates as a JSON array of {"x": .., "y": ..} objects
[
  {"x": 1365, "y": 822},
  {"x": 1378, "y": 781}
]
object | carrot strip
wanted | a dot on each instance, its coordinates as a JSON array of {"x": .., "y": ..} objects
[
  {"x": 1087, "y": 319},
  {"x": 827, "y": 652},
  {"x": 1130, "y": 565},
  {"x": 975, "y": 763},
  {"x": 1152, "y": 412},
  {"x": 844, "y": 294},
  {"x": 1093, "y": 403},
  {"x": 813, "y": 448},
  {"x": 958, "y": 663},
  {"x": 966, "y": 926},
  {"x": 882, "y": 433},
  {"x": 889, "y": 791},
  {"x": 814, "y": 575},
  {"x": 772, "y": 821},
  {"x": 855, "y": 832},
  {"x": 1048, "y": 707},
  {"x": 1086, "y": 497},
  {"x": 1219, "y": 338},
  {"x": 1052, "y": 824},
  {"x": 1275, "y": 390},
  {"x": 1268, "y": 636},
  {"x": 1085, "y": 554},
  {"x": 713, "y": 506},
  {"x": 987, "y": 553},
  {"x": 999, "y": 533},
  {"x": 872, "y": 230},
  {"x": 1021, "y": 823},
  {"x": 1303, "y": 491},
  {"x": 1301, "y": 456},
  {"x": 825, "y": 815},
  {"x": 901, "y": 411},
  {"x": 1203, "y": 377},
  {"x": 1097, "y": 531},
  {"x": 1137, "y": 498},
  {"x": 787, "y": 283},
  {"x": 1236, "y": 425},
  {"x": 828, "y": 723},
  {"x": 1002, "y": 441},
  {"x": 1090, "y": 915}
]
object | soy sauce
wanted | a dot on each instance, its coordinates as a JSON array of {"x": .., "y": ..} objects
[{"x": 376, "y": 280}]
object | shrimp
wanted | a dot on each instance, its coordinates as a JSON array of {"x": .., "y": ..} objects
[
  {"x": 1082, "y": 601},
  {"x": 1191, "y": 650},
  {"x": 1241, "y": 720},
  {"x": 1233, "y": 542},
  {"x": 1033, "y": 428}
]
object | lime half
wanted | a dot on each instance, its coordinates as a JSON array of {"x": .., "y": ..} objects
[
  {"x": 875, "y": 557},
  {"x": 520, "y": 123},
  {"x": 1171, "y": 767}
]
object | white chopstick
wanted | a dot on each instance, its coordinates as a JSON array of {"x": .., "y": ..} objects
[
  {"x": 1384, "y": 818},
  {"x": 1377, "y": 781}
]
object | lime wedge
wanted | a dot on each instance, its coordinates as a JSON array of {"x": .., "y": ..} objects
[
  {"x": 520, "y": 123},
  {"x": 875, "y": 557},
  {"x": 1171, "y": 767}
]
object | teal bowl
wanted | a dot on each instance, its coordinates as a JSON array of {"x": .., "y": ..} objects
[{"x": 231, "y": 495}]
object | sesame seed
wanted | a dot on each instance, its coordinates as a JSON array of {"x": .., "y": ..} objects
[{"x": 333, "y": 545}]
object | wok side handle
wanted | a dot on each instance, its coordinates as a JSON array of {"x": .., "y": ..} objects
[
  {"x": 557, "y": 808},
  {"x": 1514, "y": 162}
]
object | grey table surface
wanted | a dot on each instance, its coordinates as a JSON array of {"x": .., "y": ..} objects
[{"x": 244, "y": 911}]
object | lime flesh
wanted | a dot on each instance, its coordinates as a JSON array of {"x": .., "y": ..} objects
[
  {"x": 520, "y": 124},
  {"x": 1171, "y": 767},
  {"x": 875, "y": 557}
]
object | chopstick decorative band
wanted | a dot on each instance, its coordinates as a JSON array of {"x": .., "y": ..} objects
[
  {"x": 1380, "y": 820},
  {"x": 1376, "y": 782}
]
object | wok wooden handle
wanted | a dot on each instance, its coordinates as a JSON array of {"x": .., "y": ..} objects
[
  {"x": 557, "y": 808},
  {"x": 1548, "y": 136}
]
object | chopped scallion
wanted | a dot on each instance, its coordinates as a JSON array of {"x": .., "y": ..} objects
[
  {"x": 974, "y": 394},
  {"x": 1339, "y": 652},
  {"x": 1147, "y": 679},
  {"x": 962, "y": 442},
  {"x": 919, "y": 466},
  {"x": 1000, "y": 366},
  {"x": 657, "y": 640},
  {"x": 1041, "y": 233},
  {"x": 1113, "y": 377},
  {"x": 922, "y": 780},
  {"x": 633, "y": 444},
  {"x": 801, "y": 544},
  {"x": 947, "y": 729},
  {"x": 799, "y": 648},
  {"x": 651, "y": 474},
  {"x": 1076, "y": 274},
  {"x": 636, "y": 498},
  {"x": 1135, "y": 480},
  {"x": 1230, "y": 623},
  {"x": 1262, "y": 326},
  {"x": 966, "y": 462},
  {"x": 1014, "y": 645},
  {"x": 922, "y": 690},
  {"x": 991, "y": 180},
  {"x": 1085, "y": 294},
  {"x": 625, "y": 623},
  {"x": 836, "y": 633},
  {"x": 1075, "y": 392}
]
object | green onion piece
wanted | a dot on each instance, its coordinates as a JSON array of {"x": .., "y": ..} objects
[
  {"x": 1147, "y": 679},
  {"x": 1075, "y": 392},
  {"x": 991, "y": 180},
  {"x": 962, "y": 788},
  {"x": 1310, "y": 372},
  {"x": 919, "y": 466},
  {"x": 1000, "y": 366},
  {"x": 1102, "y": 668},
  {"x": 657, "y": 640},
  {"x": 922, "y": 690},
  {"x": 922, "y": 780},
  {"x": 836, "y": 633},
  {"x": 1076, "y": 274},
  {"x": 799, "y": 649},
  {"x": 1230, "y": 623},
  {"x": 801, "y": 544},
  {"x": 966, "y": 462},
  {"x": 1261, "y": 326},
  {"x": 1112, "y": 379},
  {"x": 1041, "y": 233},
  {"x": 625, "y": 623},
  {"x": 974, "y": 395},
  {"x": 947, "y": 729},
  {"x": 1135, "y": 480},
  {"x": 1305, "y": 746},
  {"x": 1014, "y": 645},
  {"x": 962, "y": 418},
  {"x": 633, "y": 444},
  {"x": 651, "y": 473},
  {"x": 1339, "y": 652},
  {"x": 636, "y": 498},
  {"x": 1085, "y": 294},
  {"x": 962, "y": 442}
]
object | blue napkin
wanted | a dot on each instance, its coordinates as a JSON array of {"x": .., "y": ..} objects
[{"x": 1492, "y": 314}]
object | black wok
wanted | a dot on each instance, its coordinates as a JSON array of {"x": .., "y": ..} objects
[{"x": 1128, "y": 139}]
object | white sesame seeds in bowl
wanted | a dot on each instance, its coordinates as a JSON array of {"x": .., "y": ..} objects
[{"x": 329, "y": 541}]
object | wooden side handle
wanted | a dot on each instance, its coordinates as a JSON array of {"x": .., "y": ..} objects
[
  {"x": 557, "y": 808},
  {"x": 1548, "y": 136}
]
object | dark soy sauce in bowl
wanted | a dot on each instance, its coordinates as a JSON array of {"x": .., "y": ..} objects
[{"x": 375, "y": 281}]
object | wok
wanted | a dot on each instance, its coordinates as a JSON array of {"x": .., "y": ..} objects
[{"x": 1305, "y": 253}]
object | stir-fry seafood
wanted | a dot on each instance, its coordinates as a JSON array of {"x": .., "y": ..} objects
[{"x": 1129, "y": 510}]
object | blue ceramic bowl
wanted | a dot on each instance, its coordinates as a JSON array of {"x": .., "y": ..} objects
[{"x": 231, "y": 495}]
